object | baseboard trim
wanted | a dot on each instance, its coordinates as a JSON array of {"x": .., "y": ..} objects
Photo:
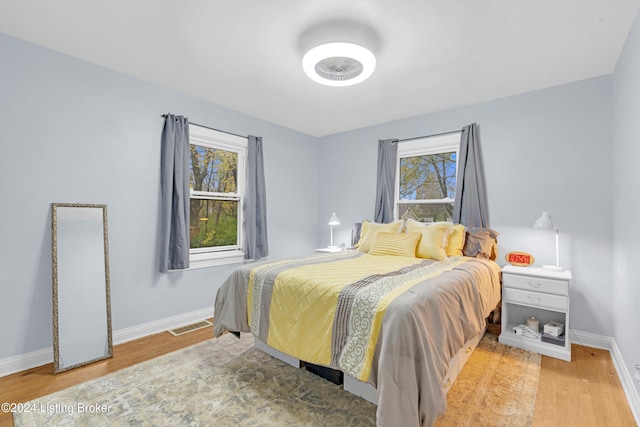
[
  {"x": 129, "y": 334},
  {"x": 591, "y": 340},
  {"x": 626, "y": 380},
  {"x": 22, "y": 362}
]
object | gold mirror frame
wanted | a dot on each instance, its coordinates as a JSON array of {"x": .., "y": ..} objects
[{"x": 58, "y": 365}]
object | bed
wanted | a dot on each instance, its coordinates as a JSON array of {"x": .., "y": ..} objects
[{"x": 394, "y": 323}]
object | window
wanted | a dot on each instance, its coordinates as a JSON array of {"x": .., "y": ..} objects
[
  {"x": 426, "y": 178},
  {"x": 216, "y": 183}
]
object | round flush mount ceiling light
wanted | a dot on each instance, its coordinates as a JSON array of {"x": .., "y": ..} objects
[{"x": 339, "y": 64}]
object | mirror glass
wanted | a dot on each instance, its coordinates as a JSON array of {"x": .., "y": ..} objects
[{"x": 81, "y": 296}]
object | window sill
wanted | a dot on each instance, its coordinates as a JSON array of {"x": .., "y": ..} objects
[{"x": 215, "y": 259}]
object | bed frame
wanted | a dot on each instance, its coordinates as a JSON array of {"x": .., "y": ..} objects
[{"x": 366, "y": 390}]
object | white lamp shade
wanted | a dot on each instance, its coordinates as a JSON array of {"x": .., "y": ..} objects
[
  {"x": 544, "y": 222},
  {"x": 334, "y": 219}
]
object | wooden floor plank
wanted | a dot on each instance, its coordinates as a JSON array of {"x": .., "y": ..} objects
[
  {"x": 40, "y": 381},
  {"x": 584, "y": 392}
]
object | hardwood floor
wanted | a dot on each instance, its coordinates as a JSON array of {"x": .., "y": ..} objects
[
  {"x": 40, "y": 381},
  {"x": 584, "y": 392}
]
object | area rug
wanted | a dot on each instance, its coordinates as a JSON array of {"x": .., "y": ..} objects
[
  {"x": 497, "y": 387},
  {"x": 227, "y": 382}
]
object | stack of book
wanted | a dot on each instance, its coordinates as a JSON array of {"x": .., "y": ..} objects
[{"x": 553, "y": 333}]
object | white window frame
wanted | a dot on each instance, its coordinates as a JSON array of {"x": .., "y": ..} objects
[
  {"x": 222, "y": 255},
  {"x": 436, "y": 144}
]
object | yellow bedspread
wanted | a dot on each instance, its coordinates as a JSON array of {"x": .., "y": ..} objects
[{"x": 328, "y": 309}]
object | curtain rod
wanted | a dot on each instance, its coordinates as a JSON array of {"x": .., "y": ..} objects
[
  {"x": 218, "y": 130},
  {"x": 429, "y": 136}
]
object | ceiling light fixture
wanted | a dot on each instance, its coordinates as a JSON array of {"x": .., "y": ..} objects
[{"x": 339, "y": 63}]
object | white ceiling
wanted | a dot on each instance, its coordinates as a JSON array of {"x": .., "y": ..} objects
[{"x": 246, "y": 55}]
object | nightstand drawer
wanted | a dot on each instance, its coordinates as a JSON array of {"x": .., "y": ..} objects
[
  {"x": 536, "y": 284},
  {"x": 535, "y": 299}
]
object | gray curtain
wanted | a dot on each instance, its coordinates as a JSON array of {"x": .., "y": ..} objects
[
  {"x": 470, "y": 207},
  {"x": 174, "y": 169},
  {"x": 255, "y": 203},
  {"x": 385, "y": 188}
]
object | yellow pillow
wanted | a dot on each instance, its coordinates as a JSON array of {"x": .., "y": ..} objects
[
  {"x": 370, "y": 230},
  {"x": 432, "y": 241},
  {"x": 398, "y": 244},
  {"x": 454, "y": 237},
  {"x": 364, "y": 229}
]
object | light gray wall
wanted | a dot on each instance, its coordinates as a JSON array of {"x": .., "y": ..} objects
[
  {"x": 544, "y": 150},
  {"x": 76, "y": 132},
  {"x": 626, "y": 200}
]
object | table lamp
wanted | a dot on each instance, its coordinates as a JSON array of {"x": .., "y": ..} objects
[
  {"x": 546, "y": 223},
  {"x": 332, "y": 222}
]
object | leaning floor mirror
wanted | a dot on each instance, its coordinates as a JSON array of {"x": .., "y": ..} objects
[{"x": 81, "y": 295}]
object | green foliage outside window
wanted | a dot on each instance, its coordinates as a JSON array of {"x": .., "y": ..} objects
[
  {"x": 215, "y": 224},
  {"x": 213, "y": 218}
]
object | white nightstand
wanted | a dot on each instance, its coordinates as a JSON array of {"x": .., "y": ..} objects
[{"x": 535, "y": 292}]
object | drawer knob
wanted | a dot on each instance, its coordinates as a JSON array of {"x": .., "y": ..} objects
[
  {"x": 535, "y": 285},
  {"x": 534, "y": 300}
]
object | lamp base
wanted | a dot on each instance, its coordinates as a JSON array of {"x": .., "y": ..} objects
[{"x": 553, "y": 267}]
